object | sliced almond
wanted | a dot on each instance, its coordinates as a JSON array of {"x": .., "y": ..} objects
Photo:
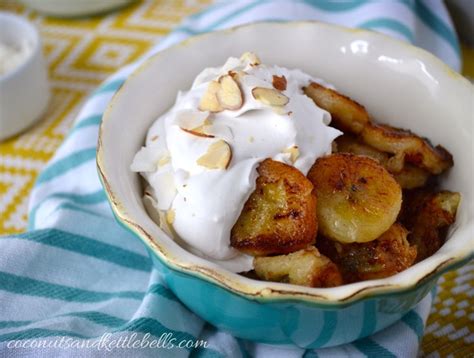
[
  {"x": 251, "y": 58},
  {"x": 294, "y": 153},
  {"x": 269, "y": 96},
  {"x": 170, "y": 215},
  {"x": 209, "y": 101},
  {"x": 164, "y": 160},
  {"x": 164, "y": 225},
  {"x": 190, "y": 118},
  {"x": 237, "y": 75},
  {"x": 279, "y": 82},
  {"x": 218, "y": 156},
  {"x": 199, "y": 132},
  {"x": 196, "y": 125},
  {"x": 229, "y": 94},
  {"x": 154, "y": 138}
]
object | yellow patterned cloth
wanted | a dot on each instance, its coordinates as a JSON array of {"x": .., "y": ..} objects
[{"x": 81, "y": 53}]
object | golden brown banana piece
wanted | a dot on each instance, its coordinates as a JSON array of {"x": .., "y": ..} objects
[
  {"x": 407, "y": 146},
  {"x": 358, "y": 199},
  {"x": 346, "y": 114},
  {"x": 305, "y": 267},
  {"x": 351, "y": 117},
  {"x": 409, "y": 177},
  {"x": 280, "y": 215},
  {"x": 428, "y": 215},
  {"x": 387, "y": 255}
]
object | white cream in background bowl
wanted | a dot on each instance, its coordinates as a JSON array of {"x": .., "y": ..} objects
[{"x": 24, "y": 89}]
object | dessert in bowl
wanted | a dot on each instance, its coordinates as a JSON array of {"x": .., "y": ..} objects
[{"x": 400, "y": 85}]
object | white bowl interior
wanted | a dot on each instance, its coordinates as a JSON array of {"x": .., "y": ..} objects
[{"x": 398, "y": 84}]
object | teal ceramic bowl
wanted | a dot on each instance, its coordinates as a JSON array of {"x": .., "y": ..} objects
[{"x": 399, "y": 84}]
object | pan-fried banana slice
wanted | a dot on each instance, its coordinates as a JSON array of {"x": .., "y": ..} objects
[
  {"x": 358, "y": 199},
  {"x": 280, "y": 215},
  {"x": 409, "y": 177},
  {"x": 428, "y": 215},
  {"x": 346, "y": 114},
  {"x": 406, "y": 146},
  {"x": 387, "y": 255},
  {"x": 306, "y": 267},
  {"x": 351, "y": 144}
]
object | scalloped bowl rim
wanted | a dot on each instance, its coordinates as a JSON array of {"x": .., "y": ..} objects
[{"x": 266, "y": 291}]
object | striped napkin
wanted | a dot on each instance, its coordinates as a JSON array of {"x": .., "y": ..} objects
[{"x": 77, "y": 284}]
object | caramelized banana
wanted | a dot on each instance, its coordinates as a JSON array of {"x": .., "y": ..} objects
[
  {"x": 280, "y": 215},
  {"x": 428, "y": 215},
  {"x": 387, "y": 255},
  {"x": 305, "y": 267},
  {"x": 346, "y": 114},
  {"x": 409, "y": 177},
  {"x": 407, "y": 146},
  {"x": 350, "y": 144},
  {"x": 358, "y": 199}
]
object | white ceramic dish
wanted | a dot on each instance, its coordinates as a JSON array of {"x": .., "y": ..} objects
[
  {"x": 71, "y": 8},
  {"x": 399, "y": 85},
  {"x": 24, "y": 91}
]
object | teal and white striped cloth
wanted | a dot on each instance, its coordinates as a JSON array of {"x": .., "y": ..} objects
[{"x": 77, "y": 275}]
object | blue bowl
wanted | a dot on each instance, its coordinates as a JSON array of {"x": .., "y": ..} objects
[{"x": 391, "y": 78}]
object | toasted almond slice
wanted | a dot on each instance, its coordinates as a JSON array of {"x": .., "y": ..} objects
[
  {"x": 229, "y": 94},
  {"x": 199, "y": 132},
  {"x": 164, "y": 160},
  {"x": 170, "y": 215},
  {"x": 294, "y": 153},
  {"x": 167, "y": 228},
  {"x": 190, "y": 118},
  {"x": 218, "y": 156},
  {"x": 269, "y": 96},
  {"x": 251, "y": 58},
  {"x": 237, "y": 75},
  {"x": 209, "y": 101},
  {"x": 279, "y": 82}
]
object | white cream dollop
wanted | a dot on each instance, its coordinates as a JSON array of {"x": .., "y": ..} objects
[
  {"x": 203, "y": 203},
  {"x": 13, "y": 56}
]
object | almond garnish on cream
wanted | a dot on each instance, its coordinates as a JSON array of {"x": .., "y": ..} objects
[
  {"x": 270, "y": 96},
  {"x": 232, "y": 118},
  {"x": 229, "y": 94},
  {"x": 294, "y": 153},
  {"x": 210, "y": 102},
  {"x": 218, "y": 156},
  {"x": 251, "y": 58}
]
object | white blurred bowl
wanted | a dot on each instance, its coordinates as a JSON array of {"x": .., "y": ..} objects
[
  {"x": 72, "y": 8},
  {"x": 24, "y": 90}
]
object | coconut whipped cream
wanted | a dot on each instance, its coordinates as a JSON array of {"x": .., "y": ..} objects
[{"x": 201, "y": 156}]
